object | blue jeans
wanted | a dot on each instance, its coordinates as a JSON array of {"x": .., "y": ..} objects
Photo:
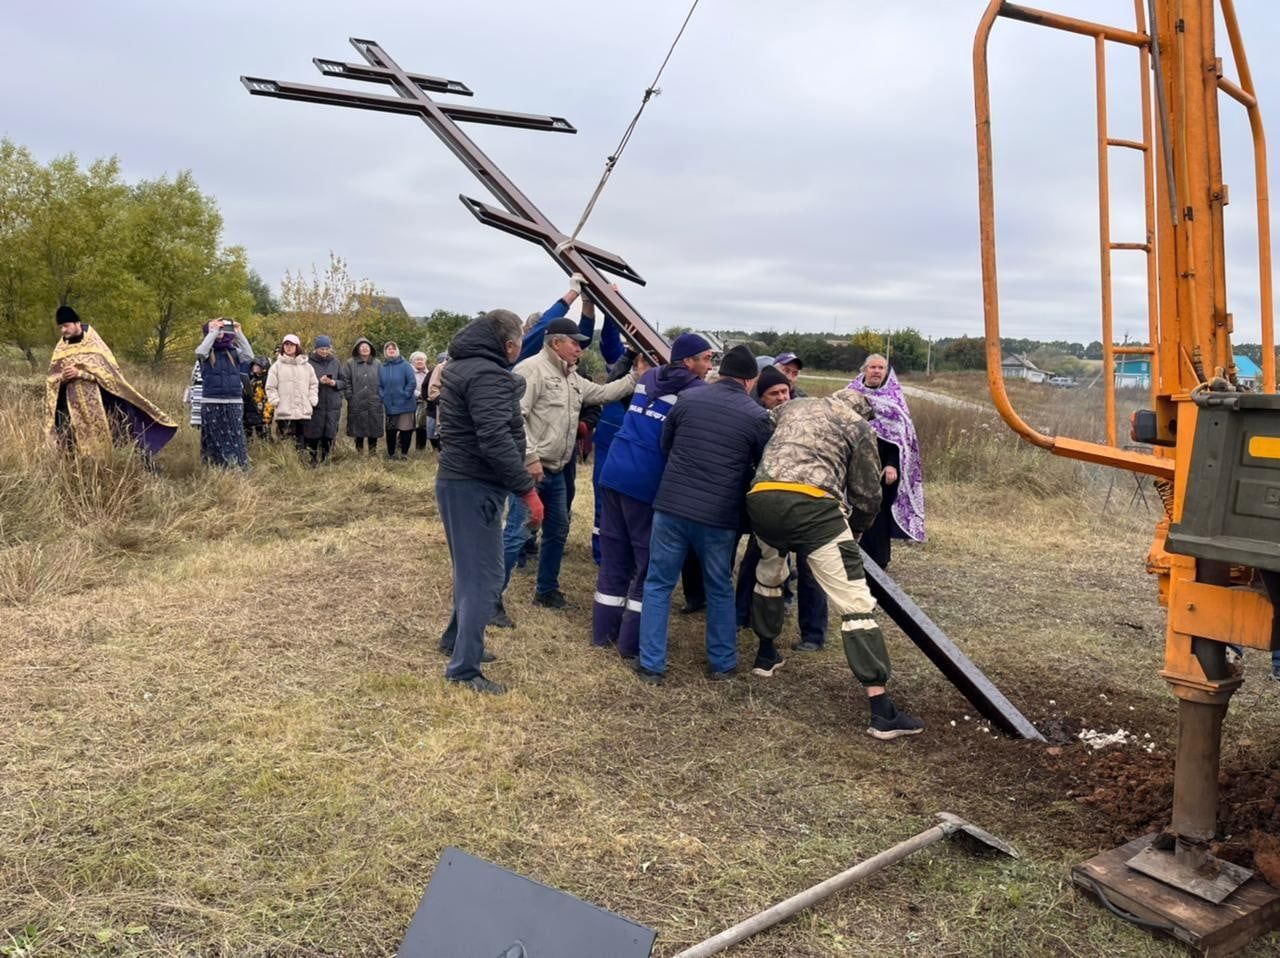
[
  {"x": 471, "y": 511},
  {"x": 1275, "y": 663},
  {"x": 555, "y": 530},
  {"x": 672, "y": 538}
]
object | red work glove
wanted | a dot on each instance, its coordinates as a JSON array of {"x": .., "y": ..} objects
[
  {"x": 536, "y": 511},
  {"x": 583, "y": 431}
]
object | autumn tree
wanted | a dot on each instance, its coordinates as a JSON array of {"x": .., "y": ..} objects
[
  {"x": 329, "y": 303},
  {"x": 440, "y": 328},
  {"x": 20, "y": 320},
  {"x": 144, "y": 263},
  {"x": 264, "y": 301},
  {"x": 175, "y": 253}
]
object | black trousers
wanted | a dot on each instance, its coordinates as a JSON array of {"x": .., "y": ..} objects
[
  {"x": 319, "y": 448},
  {"x": 291, "y": 428},
  {"x": 403, "y": 438}
]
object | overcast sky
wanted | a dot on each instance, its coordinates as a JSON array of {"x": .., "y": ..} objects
[{"x": 808, "y": 165}]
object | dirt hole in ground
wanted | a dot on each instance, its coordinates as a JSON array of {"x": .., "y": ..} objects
[{"x": 1133, "y": 793}]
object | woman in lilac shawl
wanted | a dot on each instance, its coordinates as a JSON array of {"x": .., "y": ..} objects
[{"x": 902, "y": 481}]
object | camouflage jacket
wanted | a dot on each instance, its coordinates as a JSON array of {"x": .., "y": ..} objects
[{"x": 827, "y": 443}]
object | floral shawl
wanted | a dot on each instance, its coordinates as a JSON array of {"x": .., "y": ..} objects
[{"x": 893, "y": 424}]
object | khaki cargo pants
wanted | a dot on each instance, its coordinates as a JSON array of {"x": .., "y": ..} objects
[{"x": 785, "y": 521}]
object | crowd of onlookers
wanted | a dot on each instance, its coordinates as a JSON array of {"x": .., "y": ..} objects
[
  {"x": 236, "y": 396},
  {"x": 688, "y": 457}
]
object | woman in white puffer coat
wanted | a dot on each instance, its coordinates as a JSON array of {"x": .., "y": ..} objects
[{"x": 292, "y": 387}]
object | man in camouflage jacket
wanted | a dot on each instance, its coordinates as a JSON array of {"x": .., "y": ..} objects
[{"x": 820, "y": 466}]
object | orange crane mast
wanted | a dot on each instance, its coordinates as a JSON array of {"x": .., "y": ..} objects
[{"x": 1214, "y": 449}]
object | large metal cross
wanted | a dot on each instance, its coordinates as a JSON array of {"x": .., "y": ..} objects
[{"x": 521, "y": 218}]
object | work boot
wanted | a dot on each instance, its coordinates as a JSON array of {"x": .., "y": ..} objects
[
  {"x": 646, "y": 676},
  {"x": 552, "y": 600},
  {"x": 888, "y": 723},
  {"x": 500, "y": 618},
  {"x": 481, "y": 684},
  {"x": 806, "y": 646},
  {"x": 726, "y": 676}
]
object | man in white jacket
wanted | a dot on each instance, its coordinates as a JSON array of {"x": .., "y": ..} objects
[{"x": 553, "y": 398}]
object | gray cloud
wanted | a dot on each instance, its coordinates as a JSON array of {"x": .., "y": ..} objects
[{"x": 807, "y": 166}]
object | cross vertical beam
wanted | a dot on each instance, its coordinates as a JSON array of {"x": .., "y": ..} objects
[{"x": 521, "y": 217}]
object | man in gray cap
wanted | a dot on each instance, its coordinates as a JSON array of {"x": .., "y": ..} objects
[
  {"x": 553, "y": 397},
  {"x": 789, "y": 364}
]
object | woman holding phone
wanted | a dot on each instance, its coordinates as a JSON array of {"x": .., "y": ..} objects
[{"x": 220, "y": 353}]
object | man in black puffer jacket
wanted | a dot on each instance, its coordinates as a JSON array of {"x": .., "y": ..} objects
[
  {"x": 713, "y": 438},
  {"x": 481, "y": 462}
]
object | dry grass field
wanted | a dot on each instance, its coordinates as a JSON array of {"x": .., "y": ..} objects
[{"x": 225, "y": 730}]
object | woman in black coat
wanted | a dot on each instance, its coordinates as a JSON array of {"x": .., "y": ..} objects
[
  {"x": 322, "y": 428},
  {"x": 365, "y": 413}
]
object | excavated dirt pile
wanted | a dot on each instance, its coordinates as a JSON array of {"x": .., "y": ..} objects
[{"x": 1133, "y": 793}]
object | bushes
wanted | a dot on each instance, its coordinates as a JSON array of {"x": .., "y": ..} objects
[{"x": 965, "y": 446}]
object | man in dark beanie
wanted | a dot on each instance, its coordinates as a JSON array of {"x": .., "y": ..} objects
[
  {"x": 773, "y": 388},
  {"x": 481, "y": 462},
  {"x": 713, "y": 439},
  {"x": 628, "y": 483},
  {"x": 89, "y": 406}
]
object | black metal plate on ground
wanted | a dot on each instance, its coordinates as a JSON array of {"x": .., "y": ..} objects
[
  {"x": 474, "y": 909},
  {"x": 946, "y": 655}
]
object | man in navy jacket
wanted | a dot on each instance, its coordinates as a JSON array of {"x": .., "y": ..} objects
[
  {"x": 713, "y": 439},
  {"x": 481, "y": 462},
  {"x": 628, "y": 483}
]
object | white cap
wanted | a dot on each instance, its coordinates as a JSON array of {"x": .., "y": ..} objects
[{"x": 290, "y": 338}]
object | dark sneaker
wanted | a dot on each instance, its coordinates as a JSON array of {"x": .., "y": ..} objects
[
  {"x": 481, "y": 684},
  {"x": 725, "y": 676},
  {"x": 501, "y": 620},
  {"x": 647, "y": 677},
  {"x": 806, "y": 647},
  {"x": 765, "y": 666},
  {"x": 692, "y": 608},
  {"x": 551, "y": 600},
  {"x": 895, "y": 726}
]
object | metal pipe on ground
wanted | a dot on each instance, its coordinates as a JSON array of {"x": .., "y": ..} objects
[{"x": 950, "y": 826}]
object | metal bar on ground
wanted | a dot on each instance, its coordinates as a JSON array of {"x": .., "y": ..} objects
[
  {"x": 946, "y": 655},
  {"x": 951, "y": 826}
]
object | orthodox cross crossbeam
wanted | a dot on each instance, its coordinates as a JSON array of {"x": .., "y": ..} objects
[{"x": 411, "y": 95}]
